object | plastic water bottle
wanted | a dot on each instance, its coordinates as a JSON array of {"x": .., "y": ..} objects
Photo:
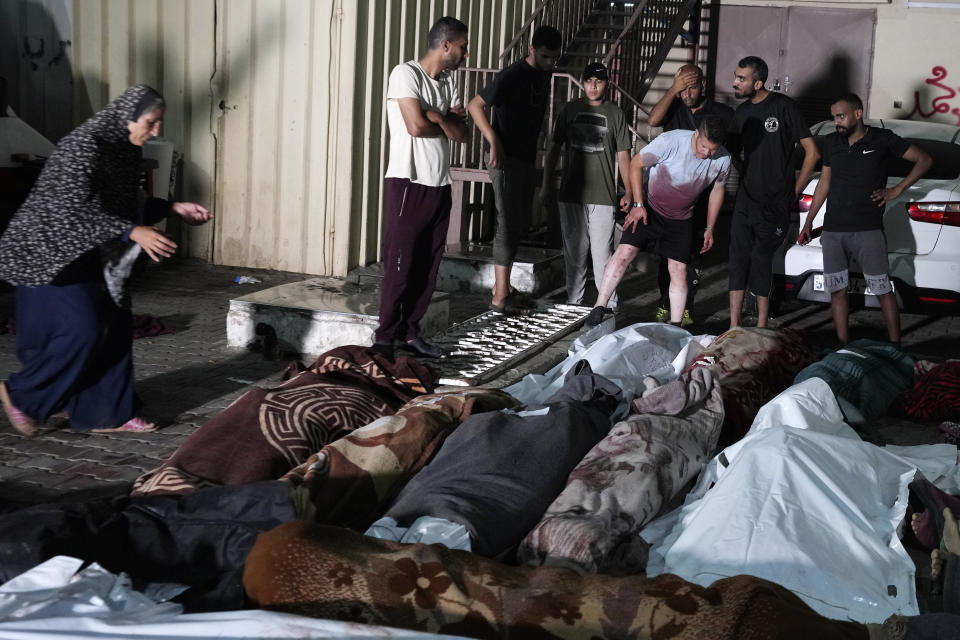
[{"x": 246, "y": 280}]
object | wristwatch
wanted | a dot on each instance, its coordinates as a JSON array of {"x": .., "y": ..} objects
[{"x": 636, "y": 205}]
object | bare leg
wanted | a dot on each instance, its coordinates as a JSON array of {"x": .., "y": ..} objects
[
  {"x": 736, "y": 302},
  {"x": 501, "y": 284},
  {"x": 840, "y": 306},
  {"x": 678, "y": 289},
  {"x": 891, "y": 315},
  {"x": 613, "y": 272},
  {"x": 763, "y": 311}
]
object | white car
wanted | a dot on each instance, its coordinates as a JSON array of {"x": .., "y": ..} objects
[{"x": 922, "y": 227}]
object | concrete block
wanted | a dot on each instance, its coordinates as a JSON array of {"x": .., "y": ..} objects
[
  {"x": 535, "y": 271},
  {"x": 316, "y": 315}
]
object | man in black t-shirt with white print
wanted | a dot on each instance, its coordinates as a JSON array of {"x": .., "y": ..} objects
[
  {"x": 854, "y": 178},
  {"x": 766, "y": 129}
]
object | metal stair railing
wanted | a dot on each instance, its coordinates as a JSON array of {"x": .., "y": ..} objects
[
  {"x": 645, "y": 42},
  {"x": 566, "y": 15}
]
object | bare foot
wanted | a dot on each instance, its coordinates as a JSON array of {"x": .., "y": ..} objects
[
  {"x": 20, "y": 421},
  {"x": 923, "y": 531},
  {"x": 937, "y": 560},
  {"x": 949, "y": 544}
]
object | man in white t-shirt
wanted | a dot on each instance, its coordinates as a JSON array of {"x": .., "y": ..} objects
[
  {"x": 681, "y": 164},
  {"x": 424, "y": 112}
]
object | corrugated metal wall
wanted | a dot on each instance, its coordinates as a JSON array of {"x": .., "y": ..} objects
[
  {"x": 169, "y": 45},
  {"x": 296, "y": 153},
  {"x": 303, "y": 133}
]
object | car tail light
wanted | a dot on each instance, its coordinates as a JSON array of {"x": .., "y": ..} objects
[{"x": 947, "y": 213}]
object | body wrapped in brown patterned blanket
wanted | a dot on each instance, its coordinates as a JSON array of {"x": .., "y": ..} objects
[
  {"x": 752, "y": 365},
  {"x": 330, "y": 572},
  {"x": 623, "y": 482},
  {"x": 267, "y": 432},
  {"x": 351, "y": 481}
]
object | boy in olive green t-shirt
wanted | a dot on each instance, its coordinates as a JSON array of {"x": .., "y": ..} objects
[{"x": 593, "y": 133}]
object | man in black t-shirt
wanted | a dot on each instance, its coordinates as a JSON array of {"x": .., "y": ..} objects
[
  {"x": 683, "y": 106},
  {"x": 854, "y": 178},
  {"x": 766, "y": 129},
  {"x": 518, "y": 95},
  {"x": 685, "y": 103}
]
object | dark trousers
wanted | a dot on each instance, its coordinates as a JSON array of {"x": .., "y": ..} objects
[
  {"x": 416, "y": 233},
  {"x": 757, "y": 230},
  {"x": 74, "y": 346}
]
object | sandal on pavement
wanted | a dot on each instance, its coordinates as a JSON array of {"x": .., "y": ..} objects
[
  {"x": 133, "y": 425},
  {"x": 24, "y": 424}
]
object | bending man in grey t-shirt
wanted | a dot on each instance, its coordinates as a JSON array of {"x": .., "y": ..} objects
[{"x": 681, "y": 165}]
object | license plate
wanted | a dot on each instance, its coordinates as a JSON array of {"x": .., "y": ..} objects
[{"x": 856, "y": 285}]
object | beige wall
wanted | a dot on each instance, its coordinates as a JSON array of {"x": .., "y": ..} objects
[
  {"x": 909, "y": 44},
  {"x": 169, "y": 45}
]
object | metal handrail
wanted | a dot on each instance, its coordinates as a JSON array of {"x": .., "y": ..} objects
[
  {"x": 507, "y": 50},
  {"x": 615, "y": 47},
  {"x": 633, "y": 101},
  {"x": 567, "y": 16},
  {"x": 645, "y": 43}
]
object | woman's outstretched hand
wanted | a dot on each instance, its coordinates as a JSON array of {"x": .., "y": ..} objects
[
  {"x": 192, "y": 213},
  {"x": 157, "y": 245}
]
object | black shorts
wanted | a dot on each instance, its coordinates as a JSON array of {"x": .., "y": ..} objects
[
  {"x": 757, "y": 230},
  {"x": 664, "y": 236}
]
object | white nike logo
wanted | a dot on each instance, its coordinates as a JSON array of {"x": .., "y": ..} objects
[{"x": 866, "y": 151}]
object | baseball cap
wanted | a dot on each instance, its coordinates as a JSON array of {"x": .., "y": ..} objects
[{"x": 595, "y": 70}]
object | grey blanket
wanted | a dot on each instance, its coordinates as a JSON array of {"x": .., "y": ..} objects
[{"x": 499, "y": 470}]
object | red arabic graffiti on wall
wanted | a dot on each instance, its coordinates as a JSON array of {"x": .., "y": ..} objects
[{"x": 940, "y": 104}]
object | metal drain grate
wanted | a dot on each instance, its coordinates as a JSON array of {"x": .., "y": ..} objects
[{"x": 486, "y": 345}]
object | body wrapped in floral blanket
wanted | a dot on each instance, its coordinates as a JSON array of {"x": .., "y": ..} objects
[{"x": 335, "y": 573}]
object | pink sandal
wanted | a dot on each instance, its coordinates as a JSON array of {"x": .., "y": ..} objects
[
  {"x": 23, "y": 423},
  {"x": 133, "y": 425}
]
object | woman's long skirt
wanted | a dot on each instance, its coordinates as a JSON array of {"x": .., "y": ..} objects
[{"x": 74, "y": 346}]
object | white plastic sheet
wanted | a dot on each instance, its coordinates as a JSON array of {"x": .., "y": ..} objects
[
  {"x": 803, "y": 503},
  {"x": 625, "y": 357},
  {"x": 52, "y": 602}
]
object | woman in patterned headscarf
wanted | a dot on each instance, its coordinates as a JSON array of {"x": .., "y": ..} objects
[{"x": 68, "y": 250}]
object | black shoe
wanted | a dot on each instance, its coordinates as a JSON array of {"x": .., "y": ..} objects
[
  {"x": 596, "y": 316},
  {"x": 424, "y": 349},
  {"x": 385, "y": 349}
]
